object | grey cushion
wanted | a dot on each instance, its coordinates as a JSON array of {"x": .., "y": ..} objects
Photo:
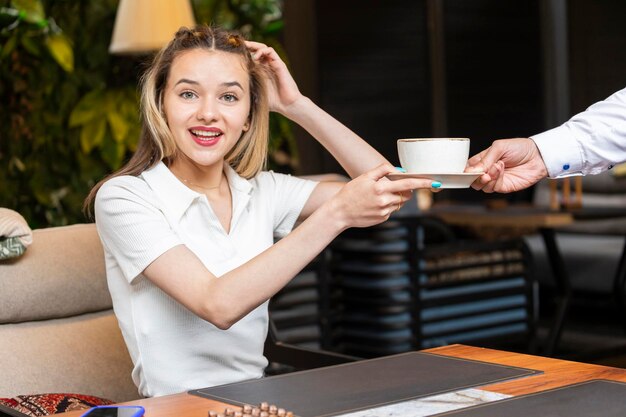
[
  {"x": 591, "y": 249},
  {"x": 602, "y": 190},
  {"x": 615, "y": 226},
  {"x": 604, "y": 183},
  {"x": 11, "y": 247},
  {"x": 590, "y": 260}
]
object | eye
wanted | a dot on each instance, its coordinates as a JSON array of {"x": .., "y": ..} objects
[
  {"x": 188, "y": 95},
  {"x": 231, "y": 98}
]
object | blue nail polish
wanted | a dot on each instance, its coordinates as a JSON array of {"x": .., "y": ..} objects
[
  {"x": 566, "y": 166},
  {"x": 401, "y": 169},
  {"x": 435, "y": 184}
]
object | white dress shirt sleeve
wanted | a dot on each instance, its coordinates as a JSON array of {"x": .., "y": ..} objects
[{"x": 589, "y": 143}]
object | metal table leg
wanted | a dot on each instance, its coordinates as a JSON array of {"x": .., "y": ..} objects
[
  {"x": 563, "y": 287},
  {"x": 619, "y": 286}
]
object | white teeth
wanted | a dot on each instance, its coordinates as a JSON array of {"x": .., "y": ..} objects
[{"x": 205, "y": 134}]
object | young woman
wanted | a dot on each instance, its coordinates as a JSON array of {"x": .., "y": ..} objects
[{"x": 188, "y": 224}]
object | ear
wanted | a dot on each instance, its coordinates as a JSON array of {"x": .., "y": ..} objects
[{"x": 246, "y": 126}]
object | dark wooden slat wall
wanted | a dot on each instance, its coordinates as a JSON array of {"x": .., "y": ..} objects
[
  {"x": 493, "y": 72},
  {"x": 370, "y": 63},
  {"x": 597, "y": 50},
  {"x": 493, "y": 62},
  {"x": 374, "y": 69}
]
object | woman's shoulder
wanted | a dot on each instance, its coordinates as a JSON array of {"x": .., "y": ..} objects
[
  {"x": 273, "y": 177},
  {"x": 124, "y": 182},
  {"x": 282, "y": 185},
  {"x": 123, "y": 186}
]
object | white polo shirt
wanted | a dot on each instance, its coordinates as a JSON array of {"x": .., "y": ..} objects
[{"x": 140, "y": 218}]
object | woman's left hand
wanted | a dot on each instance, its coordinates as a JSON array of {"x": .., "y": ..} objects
[{"x": 282, "y": 89}]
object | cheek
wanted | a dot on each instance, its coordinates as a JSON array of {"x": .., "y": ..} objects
[
  {"x": 244, "y": 117},
  {"x": 172, "y": 115},
  {"x": 237, "y": 118}
]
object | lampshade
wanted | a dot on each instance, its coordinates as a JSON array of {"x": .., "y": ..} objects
[{"x": 147, "y": 25}]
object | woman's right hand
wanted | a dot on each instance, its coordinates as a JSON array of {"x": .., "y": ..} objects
[
  {"x": 371, "y": 198},
  {"x": 282, "y": 89}
]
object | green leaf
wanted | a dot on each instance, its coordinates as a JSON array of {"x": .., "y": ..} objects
[
  {"x": 41, "y": 195},
  {"x": 17, "y": 163},
  {"x": 133, "y": 137},
  {"x": 113, "y": 153},
  {"x": 60, "y": 48},
  {"x": 92, "y": 134},
  {"x": 129, "y": 108},
  {"x": 31, "y": 45},
  {"x": 33, "y": 10},
  {"x": 87, "y": 108},
  {"x": 118, "y": 125},
  {"x": 274, "y": 27},
  {"x": 9, "y": 46}
]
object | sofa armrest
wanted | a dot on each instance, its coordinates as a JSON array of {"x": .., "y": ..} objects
[{"x": 62, "y": 274}]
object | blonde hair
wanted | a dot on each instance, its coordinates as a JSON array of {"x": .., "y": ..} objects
[{"x": 156, "y": 142}]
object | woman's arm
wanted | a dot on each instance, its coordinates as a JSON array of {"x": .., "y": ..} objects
[
  {"x": 363, "y": 202},
  {"x": 354, "y": 154}
]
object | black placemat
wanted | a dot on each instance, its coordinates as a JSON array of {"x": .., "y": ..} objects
[
  {"x": 364, "y": 384},
  {"x": 10, "y": 412},
  {"x": 593, "y": 398}
]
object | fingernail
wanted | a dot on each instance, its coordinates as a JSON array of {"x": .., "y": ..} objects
[
  {"x": 435, "y": 184},
  {"x": 401, "y": 169}
]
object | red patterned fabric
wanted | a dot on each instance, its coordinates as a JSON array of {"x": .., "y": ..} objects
[{"x": 47, "y": 404}]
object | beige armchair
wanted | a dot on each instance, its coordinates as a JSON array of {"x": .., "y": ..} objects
[{"x": 58, "y": 333}]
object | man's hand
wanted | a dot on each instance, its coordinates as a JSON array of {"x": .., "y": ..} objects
[{"x": 508, "y": 165}]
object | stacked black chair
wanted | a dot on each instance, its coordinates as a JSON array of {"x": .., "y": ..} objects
[
  {"x": 409, "y": 284},
  {"x": 299, "y": 321}
]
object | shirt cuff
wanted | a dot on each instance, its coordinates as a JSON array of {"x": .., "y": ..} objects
[{"x": 560, "y": 152}]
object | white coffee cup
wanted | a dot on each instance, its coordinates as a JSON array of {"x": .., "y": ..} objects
[{"x": 433, "y": 155}]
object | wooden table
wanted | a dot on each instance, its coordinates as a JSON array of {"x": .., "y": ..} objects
[
  {"x": 512, "y": 216},
  {"x": 556, "y": 373}
]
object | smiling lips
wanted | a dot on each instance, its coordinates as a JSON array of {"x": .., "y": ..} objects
[{"x": 206, "y": 136}]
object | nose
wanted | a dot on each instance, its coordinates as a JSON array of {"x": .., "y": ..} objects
[{"x": 207, "y": 110}]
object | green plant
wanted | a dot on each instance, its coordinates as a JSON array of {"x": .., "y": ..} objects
[
  {"x": 48, "y": 161},
  {"x": 69, "y": 108}
]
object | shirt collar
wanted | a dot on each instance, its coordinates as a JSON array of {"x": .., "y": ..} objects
[{"x": 177, "y": 197}]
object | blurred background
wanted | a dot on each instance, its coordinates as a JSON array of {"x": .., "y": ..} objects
[{"x": 483, "y": 69}]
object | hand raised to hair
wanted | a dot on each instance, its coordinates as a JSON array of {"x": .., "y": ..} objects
[
  {"x": 509, "y": 165},
  {"x": 283, "y": 90}
]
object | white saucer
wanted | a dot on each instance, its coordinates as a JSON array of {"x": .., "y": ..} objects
[{"x": 461, "y": 180}]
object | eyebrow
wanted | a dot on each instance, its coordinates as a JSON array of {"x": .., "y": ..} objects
[
  {"x": 186, "y": 81},
  {"x": 226, "y": 84}
]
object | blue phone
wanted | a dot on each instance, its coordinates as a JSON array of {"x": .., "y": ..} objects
[{"x": 115, "y": 411}]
